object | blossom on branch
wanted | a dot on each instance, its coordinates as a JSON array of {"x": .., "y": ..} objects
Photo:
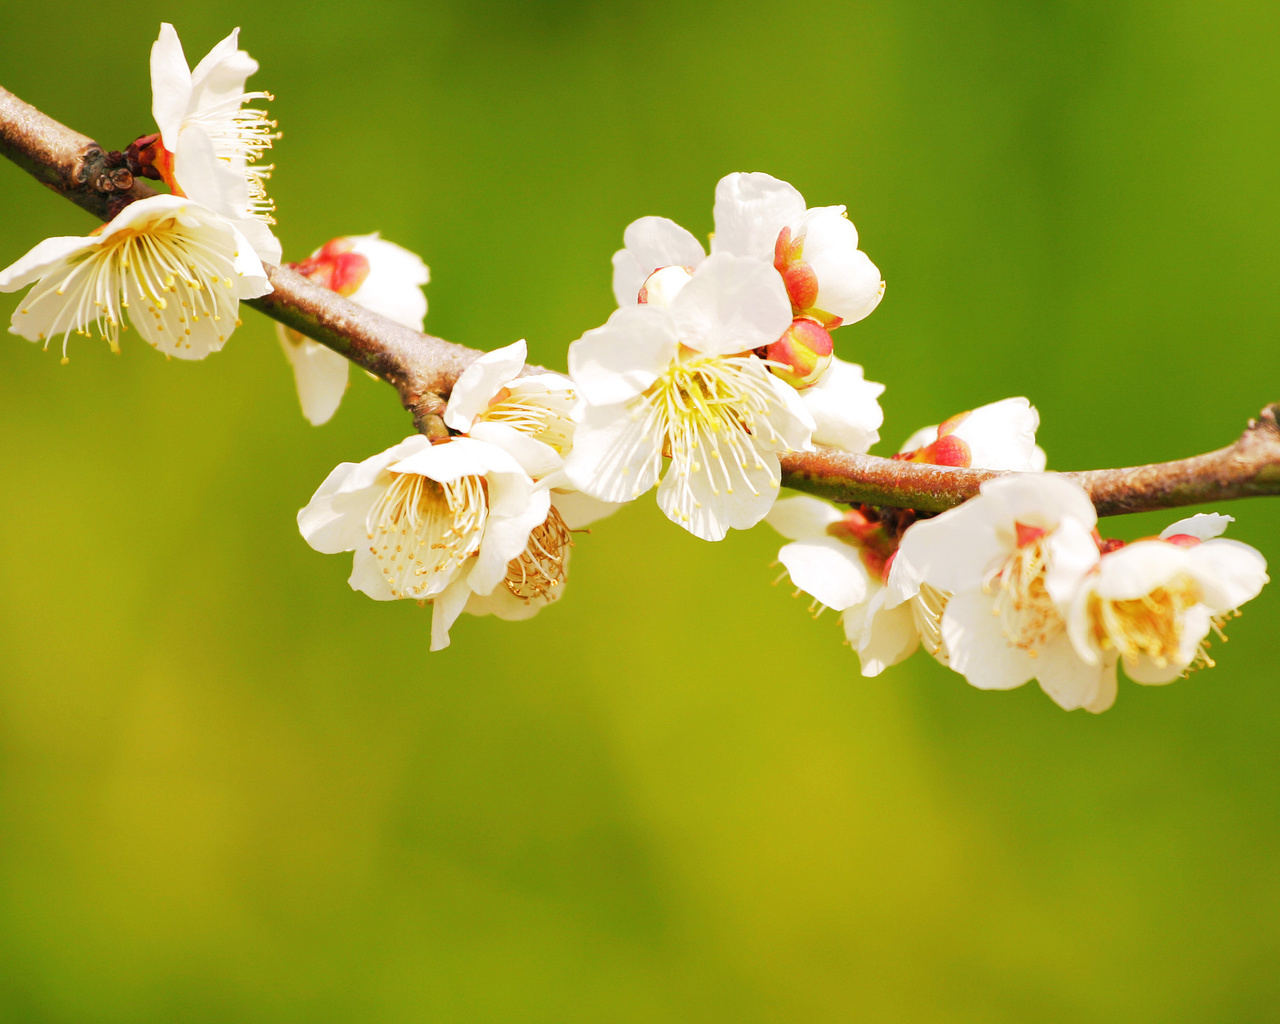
[
  {"x": 379, "y": 275},
  {"x": 209, "y": 143},
  {"x": 682, "y": 382},
  {"x": 435, "y": 523},
  {"x": 1152, "y": 603},
  {"x": 175, "y": 269}
]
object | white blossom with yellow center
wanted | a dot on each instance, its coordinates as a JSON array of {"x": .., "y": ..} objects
[
  {"x": 680, "y": 383},
  {"x": 1153, "y": 603},
  {"x": 433, "y": 523},
  {"x": 172, "y": 268},
  {"x": 1011, "y": 560},
  {"x": 214, "y": 140}
]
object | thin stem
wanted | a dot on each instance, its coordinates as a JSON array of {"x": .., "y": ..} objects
[{"x": 423, "y": 369}]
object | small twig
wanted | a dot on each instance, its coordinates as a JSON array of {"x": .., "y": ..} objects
[{"x": 423, "y": 369}]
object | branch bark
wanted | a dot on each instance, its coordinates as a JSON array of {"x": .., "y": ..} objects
[{"x": 423, "y": 369}]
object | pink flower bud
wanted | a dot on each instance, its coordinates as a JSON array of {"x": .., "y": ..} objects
[
  {"x": 948, "y": 450},
  {"x": 804, "y": 352},
  {"x": 336, "y": 267}
]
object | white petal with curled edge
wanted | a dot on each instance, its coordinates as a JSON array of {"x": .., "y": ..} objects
[
  {"x": 829, "y": 569},
  {"x": 1138, "y": 568},
  {"x": 1072, "y": 554},
  {"x": 751, "y": 210},
  {"x": 480, "y": 382},
  {"x": 849, "y": 284},
  {"x": 953, "y": 551},
  {"x": 220, "y": 75},
  {"x": 1036, "y": 499},
  {"x": 320, "y": 375},
  {"x": 651, "y": 243},
  {"x": 845, "y": 409},
  {"x": 612, "y": 459},
  {"x": 445, "y": 609},
  {"x": 251, "y": 280},
  {"x": 1230, "y": 573},
  {"x": 1002, "y": 435},
  {"x": 206, "y": 179},
  {"x": 40, "y": 260},
  {"x": 732, "y": 304},
  {"x": 978, "y": 647},
  {"x": 620, "y": 360},
  {"x": 170, "y": 85},
  {"x": 1071, "y": 682},
  {"x": 535, "y": 458},
  {"x": 886, "y": 635},
  {"x": 802, "y": 517},
  {"x": 1202, "y": 525},
  {"x": 735, "y": 497}
]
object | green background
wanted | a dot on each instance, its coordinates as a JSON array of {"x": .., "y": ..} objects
[{"x": 231, "y": 789}]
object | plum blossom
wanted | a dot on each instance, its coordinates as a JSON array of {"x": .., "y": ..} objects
[
  {"x": 176, "y": 270},
  {"x": 436, "y": 523},
  {"x": 1001, "y": 435},
  {"x": 682, "y": 383},
  {"x": 1010, "y": 561},
  {"x": 377, "y": 274},
  {"x": 1152, "y": 604},
  {"x": 209, "y": 142}
]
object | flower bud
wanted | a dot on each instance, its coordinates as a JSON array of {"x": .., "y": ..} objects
[
  {"x": 661, "y": 286},
  {"x": 336, "y": 267},
  {"x": 804, "y": 351}
]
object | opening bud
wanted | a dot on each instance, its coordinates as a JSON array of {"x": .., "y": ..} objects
[
  {"x": 661, "y": 286},
  {"x": 803, "y": 353},
  {"x": 800, "y": 279},
  {"x": 336, "y": 267}
]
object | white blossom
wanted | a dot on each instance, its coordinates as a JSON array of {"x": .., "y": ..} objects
[
  {"x": 176, "y": 270},
  {"x": 372, "y": 272},
  {"x": 815, "y": 250},
  {"x": 434, "y": 523},
  {"x": 1001, "y": 435},
  {"x": 844, "y": 408},
  {"x": 1010, "y": 561},
  {"x": 682, "y": 383},
  {"x": 210, "y": 141},
  {"x": 1153, "y": 603}
]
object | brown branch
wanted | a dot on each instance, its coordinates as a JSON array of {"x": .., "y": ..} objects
[
  {"x": 1248, "y": 468},
  {"x": 423, "y": 369}
]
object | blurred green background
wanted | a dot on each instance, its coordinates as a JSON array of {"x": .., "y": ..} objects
[{"x": 235, "y": 790}]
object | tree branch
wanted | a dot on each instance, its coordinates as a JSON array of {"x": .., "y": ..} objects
[{"x": 423, "y": 369}]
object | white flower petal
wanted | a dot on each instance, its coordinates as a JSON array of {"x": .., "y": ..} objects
[
  {"x": 320, "y": 374},
  {"x": 750, "y": 211},
  {"x": 480, "y": 383},
  {"x": 618, "y": 361},
  {"x": 220, "y": 76},
  {"x": 1071, "y": 682},
  {"x": 802, "y": 517},
  {"x": 535, "y": 458},
  {"x": 394, "y": 286},
  {"x": 1230, "y": 573},
  {"x": 733, "y": 304},
  {"x": 651, "y": 243},
  {"x": 579, "y": 510},
  {"x": 366, "y": 576},
  {"x": 845, "y": 409},
  {"x": 849, "y": 285},
  {"x": 886, "y": 635},
  {"x": 978, "y": 647},
  {"x": 1002, "y": 435},
  {"x": 953, "y": 551},
  {"x": 445, "y": 609},
  {"x": 1202, "y": 525},
  {"x": 722, "y": 495},
  {"x": 40, "y": 260},
  {"x": 612, "y": 459},
  {"x": 829, "y": 569},
  {"x": 170, "y": 85}
]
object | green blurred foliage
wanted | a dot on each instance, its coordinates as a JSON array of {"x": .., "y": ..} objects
[{"x": 234, "y": 790}]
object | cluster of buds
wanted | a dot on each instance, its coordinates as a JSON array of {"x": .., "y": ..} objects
[{"x": 717, "y": 361}]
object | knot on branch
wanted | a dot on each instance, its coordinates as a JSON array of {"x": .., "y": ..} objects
[{"x": 104, "y": 171}]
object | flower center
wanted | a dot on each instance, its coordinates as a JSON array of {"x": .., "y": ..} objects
[
  {"x": 712, "y": 414},
  {"x": 545, "y": 416},
  {"x": 420, "y": 531},
  {"x": 1150, "y": 625},
  {"x": 541, "y": 567},
  {"x": 176, "y": 275},
  {"x": 1027, "y": 613}
]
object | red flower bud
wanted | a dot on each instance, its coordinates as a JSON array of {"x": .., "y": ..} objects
[{"x": 804, "y": 352}]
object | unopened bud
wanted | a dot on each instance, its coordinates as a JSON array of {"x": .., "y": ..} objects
[
  {"x": 946, "y": 451},
  {"x": 800, "y": 279},
  {"x": 803, "y": 352},
  {"x": 336, "y": 267},
  {"x": 662, "y": 285}
]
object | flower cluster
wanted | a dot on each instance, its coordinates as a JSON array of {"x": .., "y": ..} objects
[{"x": 717, "y": 361}]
